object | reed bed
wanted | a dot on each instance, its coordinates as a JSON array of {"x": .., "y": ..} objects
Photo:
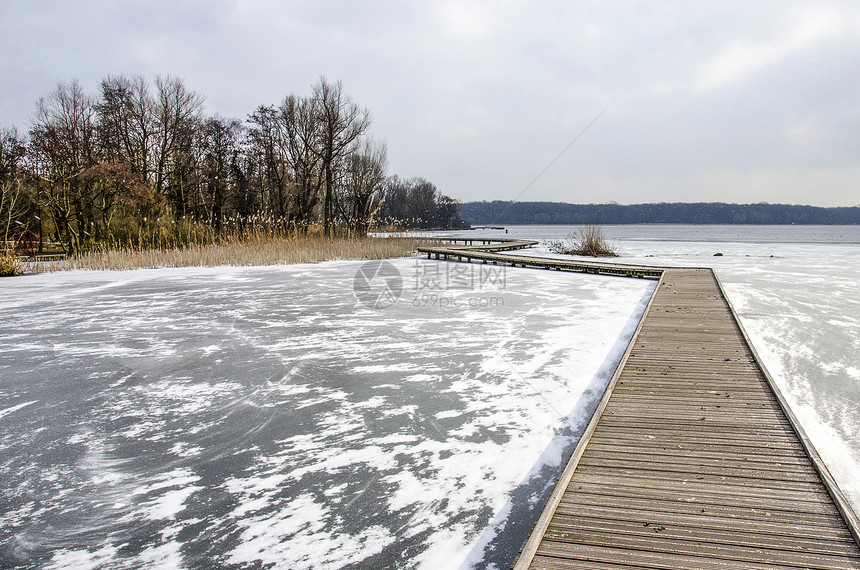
[
  {"x": 9, "y": 265},
  {"x": 587, "y": 240},
  {"x": 254, "y": 251}
]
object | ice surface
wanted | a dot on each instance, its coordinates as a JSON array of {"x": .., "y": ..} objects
[{"x": 253, "y": 416}]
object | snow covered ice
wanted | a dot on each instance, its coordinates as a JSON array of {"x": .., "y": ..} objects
[
  {"x": 244, "y": 416},
  {"x": 240, "y": 417}
]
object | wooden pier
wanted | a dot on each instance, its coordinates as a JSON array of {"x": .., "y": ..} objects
[
  {"x": 693, "y": 458},
  {"x": 486, "y": 252}
]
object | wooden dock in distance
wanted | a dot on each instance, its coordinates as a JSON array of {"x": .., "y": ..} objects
[
  {"x": 486, "y": 253},
  {"x": 692, "y": 459}
]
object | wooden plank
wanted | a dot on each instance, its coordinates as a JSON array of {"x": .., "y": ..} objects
[
  {"x": 703, "y": 468},
  {"x": 669, "y": 400},
  {"x": 738, "y": 487},
  {"x": 549, "y": 563},
  {"x": 646, "y": 522},
  {"x": 701, "y": 456},
  {"x": 662, "y": 542},
  {"x": 577, "y": 554},
  {"x": 742, "y": 485},
  {"x": 697, "y": 410},
  {"x": 570, "y": 529},
  {"x": 619, "y": 424},
  {"x": 709, "y": 496},
  {"x": 685, "y": 443},
  {"x": 754, "y": 431},
  {"x": 717, "y": 518}
]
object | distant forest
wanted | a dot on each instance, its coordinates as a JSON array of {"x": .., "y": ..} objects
[
  {"x": 141, "y": 165},
  {"x": 499, "y": 212}
]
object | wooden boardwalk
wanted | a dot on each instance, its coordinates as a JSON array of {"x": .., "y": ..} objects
[
  {"x": 692, "y": 459},
  {"x": 486, "y": 253}
]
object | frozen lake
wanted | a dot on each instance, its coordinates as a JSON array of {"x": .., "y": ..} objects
[{"x": 244, "y": 417}]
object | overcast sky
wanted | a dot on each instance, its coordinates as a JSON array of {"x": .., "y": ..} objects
[{"x": 705, "y": 100}]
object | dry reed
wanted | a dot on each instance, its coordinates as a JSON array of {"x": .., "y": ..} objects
[
  {"x": 587, "y": 241},
  {"x": 255, "y": 251},
  {"x": 9, "y": 265}
]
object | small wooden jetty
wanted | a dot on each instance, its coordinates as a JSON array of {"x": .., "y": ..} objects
[
  {"x": 486, "y": 252},
  {"x": 693, "y": 458}
]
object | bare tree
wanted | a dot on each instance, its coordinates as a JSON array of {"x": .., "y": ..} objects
[
  {"x": 109, "y": 183},
  {"x": 447, "y": 213},
  {"x": 421, "y": 204},
  {"x": 245, "y": 170},
  {"x": 64, "y": 142},
  {"x": 362, "y": 185},
  {"x": 15, "y": 199},
  {"x": 342, "y": 122},
  {"x": 127, "y": 126},
  {"x": 416, "y": 202},
  {"x": 303, "y": 133},
  {"x": 267, "y": 136},
  {"x": 177, "y": 120},
  {"x": 395, "y": 198},
  {"x": 13, "y": 149},
  {"x": 14, "y": 205},
  {"x": 220, "y": 140}
]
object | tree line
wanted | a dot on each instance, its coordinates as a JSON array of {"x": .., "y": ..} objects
[
  {"x": 141, "y": 164},
  {"x": 505, "y": 212}
]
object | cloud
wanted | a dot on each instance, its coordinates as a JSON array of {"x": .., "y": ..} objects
[
  {"x": 466, "y": 20},
  {"x": 740, "y": 58},
  {"x": 478, "y": 97}
]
